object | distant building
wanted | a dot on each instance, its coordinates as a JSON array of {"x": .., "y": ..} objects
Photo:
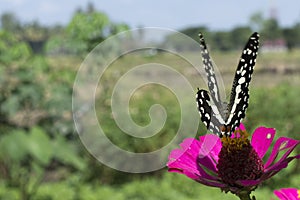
[{"x": 277, "y": 45}]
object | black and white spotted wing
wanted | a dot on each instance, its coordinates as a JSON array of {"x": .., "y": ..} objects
[
  {"x": 217, "y": 119},
  {"x": 210, "y": 72},
  {"x": 211, "y": 118}
]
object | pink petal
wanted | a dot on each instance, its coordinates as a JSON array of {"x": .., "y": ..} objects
[
  {"x": 186, "y": 160},
  {"x": 262, "y": 139},
  {"x": 282, "y": 144},
  {"x": 274, "y": 169},
  {"x": 208, "y": 154},
  {"x": 280, "y": 195},
  {"x": 242, "y": 127},
  {"x": 195, "y": 158},
  {"x": 287, "y": 194},
  {"x": 237, "y": 134}
]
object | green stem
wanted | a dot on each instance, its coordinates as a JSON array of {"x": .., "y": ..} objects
[{"x": 245, "y": 196}]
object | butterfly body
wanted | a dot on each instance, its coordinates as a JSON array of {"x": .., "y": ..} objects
[{"x": 218, "y": 116}]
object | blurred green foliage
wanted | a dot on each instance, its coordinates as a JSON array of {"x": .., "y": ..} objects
[
  {"x": 42, "y": 158},
  {"x": 276, "y": 107},
  {"x": 227, "y": 40},
  {"x": 11, "y": 49},
  {"x": 169, "y": 186},
  {"x": 90, "y": 27},
  {"x": 25, "y": 156},
  {"x": 39, "y": 161}
]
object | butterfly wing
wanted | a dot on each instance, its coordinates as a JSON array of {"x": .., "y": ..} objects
[
  {"x": 210, "y": 72},
  {"x": 240, "y": 92},
  {"x": 210, "y": 115}
]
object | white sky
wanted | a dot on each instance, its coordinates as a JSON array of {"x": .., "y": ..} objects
[{"x": 175, "y": 14}]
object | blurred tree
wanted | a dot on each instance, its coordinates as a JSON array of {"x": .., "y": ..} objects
[
  {"x": 90, "y": 8},
  {"x": 173, "y": 41},
  {"x": 30, "y": 94},
  {"x": 222, "y": 41},
  {"x": 257, "y": 21},
  {"x": 118, "y": 27},
  {"x": 180, "y": 44},
  {"x": 239, "y": 35},
  {"x": 268, "y": 28},
  {"x": 36, "y": 36},
  {"x": 271, "y": 29},
  {"x": 194, "y": 31},
  {"x": 32, "y": 33},
  {"x": 12, "y": 49},
  {"x": 21, "y": 98},
  {"x": 10, "y": 23},
  {"x": 88, "y": 28},
  {"x": 292, "y": 36}
]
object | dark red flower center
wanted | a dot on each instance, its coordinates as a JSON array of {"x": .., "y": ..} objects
[{"x": 238, "y": 160}]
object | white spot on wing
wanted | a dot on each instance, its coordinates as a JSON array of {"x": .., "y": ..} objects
[
  {"x": 241, "y": 80},
  {"x": 238, "y": 89},
  {"x": 201, "y": 109},
  {"x": 207, "y": 116},
  {"x": 243, "y": 72}
]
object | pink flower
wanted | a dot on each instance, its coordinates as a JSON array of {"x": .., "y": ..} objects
[
  {"x": 288, "y": 194},
  {"x": 233, "y": 164}
]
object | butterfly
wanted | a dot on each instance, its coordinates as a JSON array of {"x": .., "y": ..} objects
[{"x": 220, "y": 117}]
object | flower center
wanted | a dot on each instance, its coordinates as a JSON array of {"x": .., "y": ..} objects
[
  {"x": 238, "y": 160},
  {"x": 298, "y": 192}
]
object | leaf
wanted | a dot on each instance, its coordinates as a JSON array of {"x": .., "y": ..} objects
[
  {"x": 40, "y": 146},
  {"x": 67, "y": 153},
  {"x": 13, "y": 146},
  {"x": 11, "y": 105}
]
